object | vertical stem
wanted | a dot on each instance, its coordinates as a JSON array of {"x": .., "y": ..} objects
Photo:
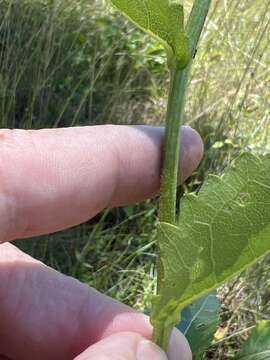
[
  {"x": 167, "y": 205},
  {"x": 174, "y": 119},
  {"x": 175, "y": 110},
  {"x": 162, "y": 336}
]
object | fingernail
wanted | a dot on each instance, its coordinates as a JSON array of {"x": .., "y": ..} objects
[{"x": 146, "y": 350}]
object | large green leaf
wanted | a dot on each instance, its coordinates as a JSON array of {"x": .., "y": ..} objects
[
  {"x": 257, "y": 347},
  {"x": 222, "y": 231},
  {"x": 199, "y": 322},
  {"x": 164, "y": 19}
]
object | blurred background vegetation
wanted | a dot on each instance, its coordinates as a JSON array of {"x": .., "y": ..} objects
[{"x": 76, "y": 62}]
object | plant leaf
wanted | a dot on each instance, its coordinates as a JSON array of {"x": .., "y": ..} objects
[
  {"x": 164, "y": 19},
  {"x": 222, "y": 231},
  {"x": 257, "y": 347},
  {"x": 199, "y": 322}
]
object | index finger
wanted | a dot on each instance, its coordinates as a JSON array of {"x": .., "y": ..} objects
[{"x": 54, "y": 179}]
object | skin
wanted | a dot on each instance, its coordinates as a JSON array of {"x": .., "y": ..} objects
[{"x": 55, "y": 179}]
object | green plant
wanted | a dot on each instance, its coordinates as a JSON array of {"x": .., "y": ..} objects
[
  {"x": 199, "y": 323},
  {"x": 230, "y": 216},
  {"x": 258, "y": 345}
]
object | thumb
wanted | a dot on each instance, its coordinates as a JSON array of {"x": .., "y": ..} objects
[{"x": 125, "y": 345}]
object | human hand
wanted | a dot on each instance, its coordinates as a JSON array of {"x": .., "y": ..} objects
[{"x": 55, "y": 179}]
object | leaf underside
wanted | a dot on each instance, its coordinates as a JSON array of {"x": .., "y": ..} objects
[
  {"x": 162, "y": 18},
  {"x": 222, "y": 231},
  {"x": 199, "y": 322},
  {"x": 257, "y": 347}
]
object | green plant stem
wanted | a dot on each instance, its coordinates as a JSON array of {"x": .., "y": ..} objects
[
  {"x": 174, "y": 119},
  {"x": 175, "y": 111}
]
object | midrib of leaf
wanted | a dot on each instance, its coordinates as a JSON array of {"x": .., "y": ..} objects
[
  {"x": 199, "y": 323},
  {"x": 201, "y": 309}
]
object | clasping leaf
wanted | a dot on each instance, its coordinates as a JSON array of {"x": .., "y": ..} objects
[
  {"x": 222, "y": 231},
  {"x": 164, "y": 19}
]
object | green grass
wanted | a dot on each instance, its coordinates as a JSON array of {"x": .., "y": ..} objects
[
  {"x": 114, "y": 253},
  {"x": 66, "y": 63}
]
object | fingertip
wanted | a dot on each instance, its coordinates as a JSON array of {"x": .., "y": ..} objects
[
  {"x": 125, "y": 345},
  {"x": 192, "y": 149},
  {"x": 179, "y": 347},
  {"x": 146, "y": 350}
]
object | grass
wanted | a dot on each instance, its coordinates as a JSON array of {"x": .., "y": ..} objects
[
  {"x": 58, "y": 64},
  {"x": 66, "y": 63}
]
